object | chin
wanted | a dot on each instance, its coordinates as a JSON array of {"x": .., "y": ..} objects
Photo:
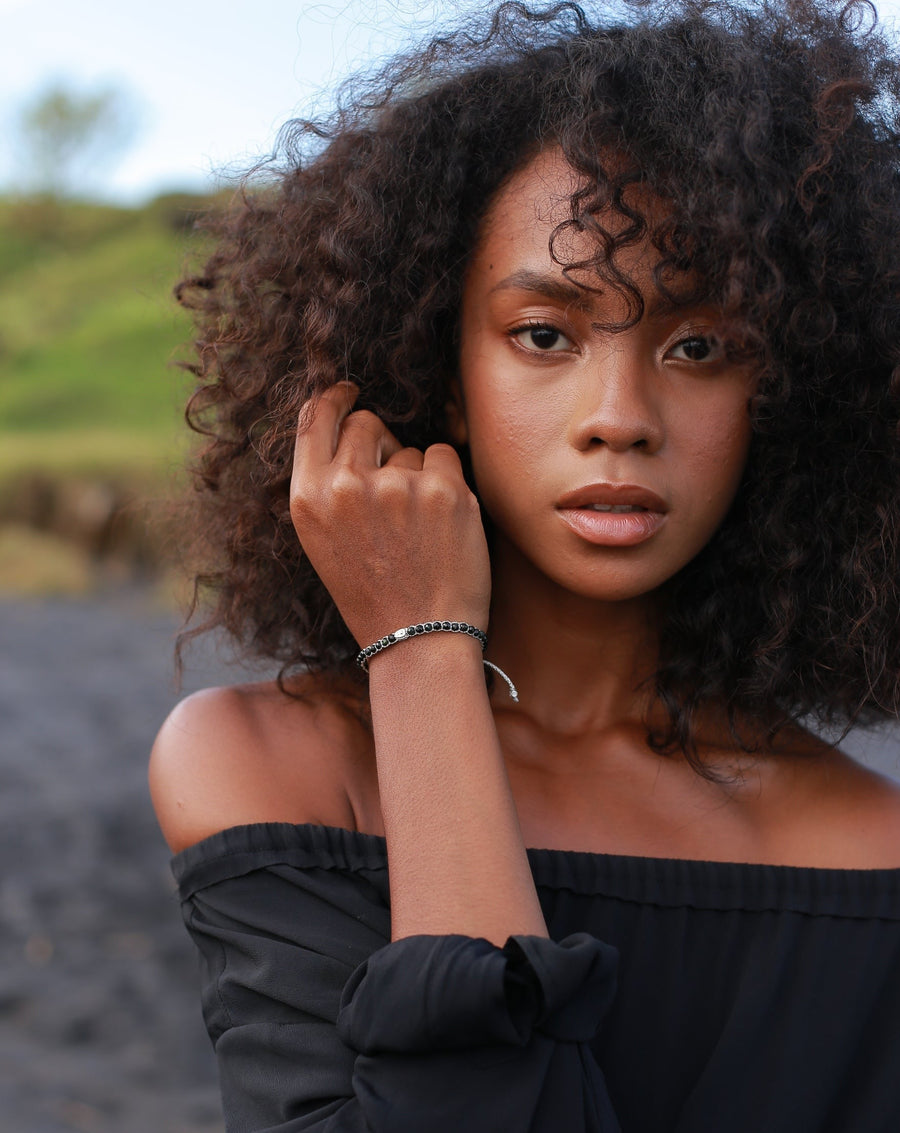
[
  {"x": 620, "y": 585},
  {"x": 621, "y": 578}
]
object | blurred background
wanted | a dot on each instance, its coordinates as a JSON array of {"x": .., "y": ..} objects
[{"x": 120, "y": 125}]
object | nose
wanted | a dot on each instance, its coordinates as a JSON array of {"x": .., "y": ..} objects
[{"x": 616, "y": 403}]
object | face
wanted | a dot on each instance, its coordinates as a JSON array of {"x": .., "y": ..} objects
[{"x": 607, "y": 460}]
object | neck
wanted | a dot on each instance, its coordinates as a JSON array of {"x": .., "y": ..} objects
[{"x": 579, "y": 664}]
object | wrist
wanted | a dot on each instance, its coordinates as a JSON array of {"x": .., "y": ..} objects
[
  {"x": 419, "y": 629},
  {"x": 417, "y": 656}
]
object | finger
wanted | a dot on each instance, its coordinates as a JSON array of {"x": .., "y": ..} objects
[
  {"x": 409, "y": 458},
  {"x": 319, "y": 425},
  {"x": 365, "y": 441},
  {"x": 443, "y": 458}
]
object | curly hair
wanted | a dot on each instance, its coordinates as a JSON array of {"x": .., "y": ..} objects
[{"x": 770, "y": 131}]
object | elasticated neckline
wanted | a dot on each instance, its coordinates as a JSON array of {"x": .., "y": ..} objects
[{"x": 663, "y": 882}]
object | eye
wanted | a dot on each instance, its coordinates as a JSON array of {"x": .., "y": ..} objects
[
  {"x": 698, "y": 348},
  {"x": 542, "y": 338}
]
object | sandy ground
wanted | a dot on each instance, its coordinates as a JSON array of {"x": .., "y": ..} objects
[{"x": 100, "y": 1029}]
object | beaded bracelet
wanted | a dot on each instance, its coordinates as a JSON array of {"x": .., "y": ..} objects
[{"x": 362, "y": 658}]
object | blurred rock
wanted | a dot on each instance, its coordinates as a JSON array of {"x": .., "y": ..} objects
[
  {"x": 106, "y": 525},
  {"x": 37, "y": 562}
]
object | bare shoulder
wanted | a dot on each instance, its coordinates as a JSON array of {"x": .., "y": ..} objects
[
  {"x": 252, "y": 753},
  {"x": 869, "y": 804},
  {"x": 852, "y": 814}
]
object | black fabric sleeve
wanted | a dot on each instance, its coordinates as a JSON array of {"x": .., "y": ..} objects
[{"x": 321, "y": 1024}]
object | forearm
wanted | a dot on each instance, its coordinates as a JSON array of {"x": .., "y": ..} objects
[{"x": 457, "y": 859}]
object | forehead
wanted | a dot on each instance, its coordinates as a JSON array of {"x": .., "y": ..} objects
[
  {"x": 529, "y": 206},
  {"x": 528, "y": 210}
]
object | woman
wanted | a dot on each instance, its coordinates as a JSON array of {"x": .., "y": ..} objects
[{"x": 592, "y": 334}]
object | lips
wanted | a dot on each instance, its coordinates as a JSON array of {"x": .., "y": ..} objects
[{"x": 613, "y": 515}]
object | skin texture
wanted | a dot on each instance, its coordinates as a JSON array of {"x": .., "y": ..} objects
[
  {"x": 548, "y": 413},
  {"x": 460, "y": 780}
]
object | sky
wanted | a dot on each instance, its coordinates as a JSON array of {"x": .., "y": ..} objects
[{"x": 207, "y": 82}]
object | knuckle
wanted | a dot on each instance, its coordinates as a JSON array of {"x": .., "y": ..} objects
[
  {"x": 312, "y": 501},
  {"x": 363, "y": 420},
  {"x": 438, "y": 491},
  {"x": 393, "y": 483},
  {"x": 302, "y": 503},
  {"x": 345, "y": 485},
  {"x": 301, "y": 490}
]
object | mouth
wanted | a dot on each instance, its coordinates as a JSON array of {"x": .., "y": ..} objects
[
  {"x": 613, "y": 515},
  {"x": 616, "y": 509}
]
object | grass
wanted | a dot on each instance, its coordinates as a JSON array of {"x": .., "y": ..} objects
[
  {"x": 88, "y": 328},
  {"x": 89, "y": 333},
  {"x": 138, "y": 457}
]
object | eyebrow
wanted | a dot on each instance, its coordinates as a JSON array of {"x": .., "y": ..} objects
[{"x": 552, "y": 287}]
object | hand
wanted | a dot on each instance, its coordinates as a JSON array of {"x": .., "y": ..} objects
[{"x": 394, "y": 534}]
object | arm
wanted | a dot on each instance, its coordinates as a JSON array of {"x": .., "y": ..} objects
[
  {"x": 470, "y": 1016},
  {"x": 440, "y": 770},
  {"x": 396, "y": 536},
  {"x": 321, "y": 1024},
  {"x": 319, "y": 1021}
]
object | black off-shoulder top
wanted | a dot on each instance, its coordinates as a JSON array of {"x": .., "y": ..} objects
[{"x": 672, "y": 996}]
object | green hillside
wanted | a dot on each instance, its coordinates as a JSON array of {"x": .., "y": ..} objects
[{"x": 89, "y": 332}]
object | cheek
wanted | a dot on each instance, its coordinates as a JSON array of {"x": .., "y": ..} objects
[
  {"x": 718, "y": 455},
  {"x": 500, "y": 448},
  {"x": 509, "y": 438}
]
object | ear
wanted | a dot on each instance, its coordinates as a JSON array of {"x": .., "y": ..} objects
[{"x": 456, "y": 414}]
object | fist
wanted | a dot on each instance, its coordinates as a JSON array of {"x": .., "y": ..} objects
[{"x": 394, "y": 534}]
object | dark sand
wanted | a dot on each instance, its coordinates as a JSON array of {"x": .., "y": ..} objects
[{"x": 100, "y": 1029}]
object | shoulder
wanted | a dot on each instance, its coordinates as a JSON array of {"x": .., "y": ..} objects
[
  {"x": 866, "y": 806},
  {"x": 847, "y": 814},
  {"x": 252, "y": 753}
]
